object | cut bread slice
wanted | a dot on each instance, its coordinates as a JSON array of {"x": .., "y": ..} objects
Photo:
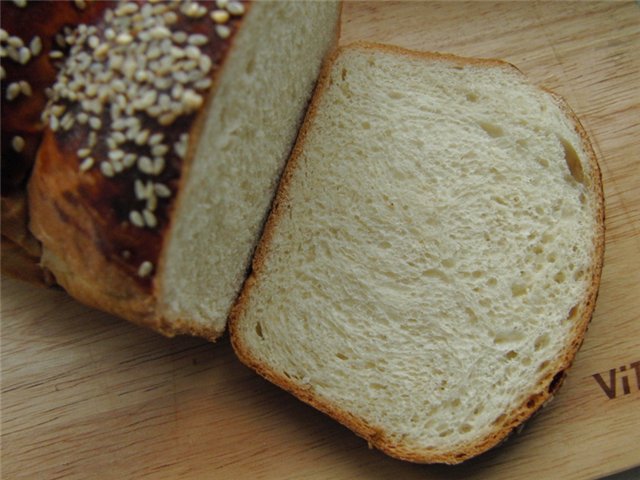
[
  {"x": 433, "y": 256},
  {"x": 168, "y": 129}
]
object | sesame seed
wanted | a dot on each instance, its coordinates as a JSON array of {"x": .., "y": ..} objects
[
  {"x": 82, "y": 118},
  {"x": 95, "y": 123},
  {"x": 162, "y": 190},
  {"x": 177, "y": 91},
  {"x": 136, "y": 218},
  {"x": 223, "y": 31},
  {"x": 139, "y": 189},
  {"x": 166, "y": 119},
  {"x": 117, "y": 166},
  {"x": 170, "y": 18},
  {"x": 80, "y": 4},
  {"x": 20, "y": 3},
  {"x": 86, "y": 164},
  {"x": 204, "y": 64},
  {"x": 15, "y": 41},
  {"x": 84, "y": 152},
  {"x": 152, "y": 202},
  {"x": 119, "y": 137},
  {"x": 142, "y": 137},
  {"x": 192, "y": 52},
  {"x": 17, "y": 142},
  {"x": 145, "y": 165},
  {"x": 93, "y": 41},
  {"x": 25, "y": 88},
  {"x": 179, "y": 37},
  {"x": 160, "y": 32},
  {"x": 107, "y": 169},
  {"x": 145, "y": 269},
  {"x": 159, "y": 150},
  {"x": 158, "y": 165},
  {"x": 54, "y": 123},
  {"x": 24, "y": 55},
  {"x": 191, "y": 100},
  {"x": 155, "y": 139},
  {"x": 67, "y": 121},
  {"x": 101, "y": 51},
  {"x": 198, "y": 39},
  {"x": 55, "y": 54},
  {"x": 124, "y": 39},
  {"x": 35, "y": 46},
  {"x": 93, "y": 139},
  {"x": 149, "y": 218},
  {"x": 4, "y": 35},
  {"x": 222, "y": 3},
  {"x": 3, "y": 74},
  {"x": 194, "y": 10},
  {"x": 115, "y": 154},
  {"x": 220, "y": 16},
  {"x": 126, "y": 9},
  {"x": 235, "y": 8},
  {"x": 129, "y": 160}
]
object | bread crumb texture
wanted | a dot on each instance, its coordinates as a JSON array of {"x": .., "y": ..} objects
[{"x": 432, "y": 248}]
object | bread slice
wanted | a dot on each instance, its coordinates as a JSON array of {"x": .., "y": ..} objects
[
  {"x": 168, "y": 129},
  {"x": 433, "y": 256}
]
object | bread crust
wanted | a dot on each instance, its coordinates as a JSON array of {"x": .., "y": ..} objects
[
  {"x": 549, "y": 379},
  {"x": 21, "y": 117}
]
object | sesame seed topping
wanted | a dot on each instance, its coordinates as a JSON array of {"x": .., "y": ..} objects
[
  {"x": 80, "y": 4},
  {"x": 86, "y": 164},
  {"x": 149, "y": 218},
  {"x": 220, "y": 16},
  {"x": 235, "y": 8},
  {"x": 158, "y": 165},
  {"x": 222, "y": 3},
  {"x": 55, "y": 54},
  {"x": 223, "y": 31},
  {"x": 145, "y": 165},
  {"x": 24, "y": 55},
  {"x": 107, "y": 169},
  {"x": 155, "y": 139},
  {"x": 95, "y": 123},
  {"x": 20, "y": 3},
  {"x": 93, "y": 139},
  {"x": 116, "y": 155},
  {"x": 35, "y": 46},
  {"x": 54, "y": 123},
  {"x": 198, "y": 39},
  {"x": 194, "y": 10},
  {"x": 25, "y": 88},
  {"x": 145, "y": 269},
  {"x": 162, "y": 190},
  {"x": 17, "y": 142},
  {"x": 3, "y": 74},
  {"x": 4, "y": 35},
  {"x": 84, "y": 152},
  {"x": 129, "y": 160},
  {"x": 15, "y": 41},
  {"x": 136, "y": 219},
  {"x": 159, "y": 150}
]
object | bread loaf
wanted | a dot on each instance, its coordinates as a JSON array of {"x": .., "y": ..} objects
[
  {"x": 433, "y": 256},
  {"x": 168, "y": 128},
  {"x": 32, "y": 40}
]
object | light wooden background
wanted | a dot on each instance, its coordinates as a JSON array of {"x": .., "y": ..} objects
[{"x": 85, "y": 395}]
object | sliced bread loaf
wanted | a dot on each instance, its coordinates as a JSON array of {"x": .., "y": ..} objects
[
  {"x": 168, "y": 128},
  {"x": 433, "y": 257}
]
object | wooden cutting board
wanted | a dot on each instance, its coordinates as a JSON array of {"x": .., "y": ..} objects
[{"x": 85, "y": 395}]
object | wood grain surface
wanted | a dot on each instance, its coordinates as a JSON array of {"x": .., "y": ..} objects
[{"x": 85, "y": 395}]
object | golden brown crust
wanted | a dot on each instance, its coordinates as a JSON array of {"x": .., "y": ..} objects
[
  {"x": 21, "y": 115},
  {"x": 550, "y": 379}
]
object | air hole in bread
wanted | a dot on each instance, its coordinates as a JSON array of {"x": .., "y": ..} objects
[
  {"x": 342, "y": 356},
  {"x": 472, "y": 97},
  {"x": 259, "y": 330},
  {"x": 465, "y": 428},
  {"x": 251, "y": 65},
  {"x": 511, "y": 336},
  {"x": 559, "y": 277},
  {"x": 543, "y": 365},
  {"x": 377, "y": 386},
  {"x": 343, "y": 74},
  {"x": 366, "y": 125},
  {"x": 511, "y": 354},
  {"x": 543, "y": 161},
  {"x": 519, "y": 289},
  {"x": 573, "y": 312},
  {"x": 396, "y": 95},
  {"x": 572, "y": 159},
  {"x": 492, "y": 129},
  {"x": 492, "y": 282},
  {"x": 448, "y": 263}
]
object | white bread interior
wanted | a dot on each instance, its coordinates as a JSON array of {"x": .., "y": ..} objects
[
  {"x": 432, "y": 260},
  {"x": 254, "y": 116}
]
